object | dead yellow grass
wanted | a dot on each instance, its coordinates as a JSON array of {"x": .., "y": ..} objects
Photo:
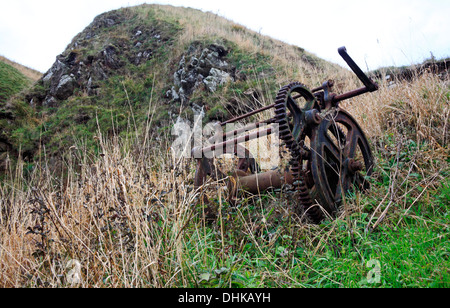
[
  {"x": 30, "y": 73},
  {"x": 124, "y": 214},
  {"x": 419, "y": 110}
]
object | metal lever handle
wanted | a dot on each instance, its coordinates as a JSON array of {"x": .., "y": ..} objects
[{"x": 370, "y": 85}]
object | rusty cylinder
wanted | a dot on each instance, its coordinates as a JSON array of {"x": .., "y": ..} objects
[{"x": 257, "y": 183}]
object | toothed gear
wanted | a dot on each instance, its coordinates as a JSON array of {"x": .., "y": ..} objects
[{"x": 293, "y": 129}]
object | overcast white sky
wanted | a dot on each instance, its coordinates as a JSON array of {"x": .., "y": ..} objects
[{"x": 376, "y": 32}]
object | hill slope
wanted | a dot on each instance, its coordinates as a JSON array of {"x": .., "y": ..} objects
[
  {"x": 176, "y": 59},
  {"x": 30, "y": 73},
  {"x": 12, "y": 81},
  {"x": 14, "y": 78}
]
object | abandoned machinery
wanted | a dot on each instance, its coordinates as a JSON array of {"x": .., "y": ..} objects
[{"x": 329, "y": 153}]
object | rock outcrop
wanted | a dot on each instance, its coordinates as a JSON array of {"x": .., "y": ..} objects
[
  {"x": 126, "y": 59},
  {"x": 201, "y": 66},
  {"x": 98, "y": 53}
]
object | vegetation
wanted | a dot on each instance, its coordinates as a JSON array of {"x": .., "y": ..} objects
[
  {"x": 30, "y": 73},
  {"x": 11, "y": 81},
  {"x": 165, "y": 33},
  {"x": 131, "y": 218},
  {"x": 125, "y": 209}
]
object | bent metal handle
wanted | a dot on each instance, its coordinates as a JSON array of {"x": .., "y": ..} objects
[{"x": 370, "y": 85}]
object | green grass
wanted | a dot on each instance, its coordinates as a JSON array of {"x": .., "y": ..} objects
[
  {"x": 11, "y": 81},
  {"x": 414, "y": 253},
  {"x": 132, "y": 219}
]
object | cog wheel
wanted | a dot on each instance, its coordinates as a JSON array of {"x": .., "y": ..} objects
[{"x": 294, "y": 126}]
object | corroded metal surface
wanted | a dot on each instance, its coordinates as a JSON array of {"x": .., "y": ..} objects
[{"x": 329, "y": 153}]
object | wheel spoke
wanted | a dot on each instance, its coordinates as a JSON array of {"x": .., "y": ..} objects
[
  {"x": 352, "y": 142},
  {"x": 333, "y": 150},
  {"x": 336, "y": 144},
  {"x": 292, "y": 105}
]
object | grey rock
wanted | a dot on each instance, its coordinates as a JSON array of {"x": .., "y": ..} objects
[
  {"x": 200, "y": 67},
  {"x": 176, "y": 79},
  {"x": 212, "y": 59},
  {"x": 194, "y": 62},
  {"x": 98, "y": 73},
  {"x": 216, "y": 78},
  {"x": 211, "y": 84},
  {"x": 65, "y": 87},
  {"x": 183, "y": 96},
  {"x": 50, "y": 101},
  {"x": 109, "y": 22},
  {"x": 56, "y": 72},
  {"x": 147, "y": 54},
  {"x": 47, "y": 79},
  {"x": 221, "y": 50},
  {"x": 198, "y": 110},
  {"x": 91, "y": 87},
  {"x": 138, "y": 58},
  {"x": 172, "y": 93}
]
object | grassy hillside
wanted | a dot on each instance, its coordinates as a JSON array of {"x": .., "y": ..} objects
[
  {"x": 30, "y": 73},
  {"x": 132, "y": 219},
  {"x": 126, "y": 59},
  {"x": 127, "y": 211},
  {"x": 14, "y": 78},
  {"x": 12, "y": 81}
]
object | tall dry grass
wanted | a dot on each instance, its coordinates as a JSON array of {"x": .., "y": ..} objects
[
  {"x": 419, "y": 110},
  {"x": 121, "y": 217},
  {"x": 132, "y": 218},
  {"x": 408, "y": 126}
]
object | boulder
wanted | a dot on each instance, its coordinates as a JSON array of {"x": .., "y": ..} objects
[
  {"x": 200, "y": 66},
  {"x": 212, "y": 59},
  {"x": 216, "y": 78},
  {"x": 65, "y": 87},
  {"x": 50, "y": 101}
]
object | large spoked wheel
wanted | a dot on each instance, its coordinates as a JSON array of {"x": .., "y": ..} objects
[{"x": 340, "y": 160}]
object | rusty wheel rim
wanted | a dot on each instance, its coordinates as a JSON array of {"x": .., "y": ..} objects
[{"x": 340, "y": 160}]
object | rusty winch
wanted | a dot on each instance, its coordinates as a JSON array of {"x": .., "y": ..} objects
[{"x": 329, "y": 153}]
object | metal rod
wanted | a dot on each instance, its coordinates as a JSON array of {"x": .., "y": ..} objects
[
  {"x": 248, "y": 115},
  {"x": 250, "y": 126},
  {"x": 224, "y": 145},
  {"x": 257, "y": 183},
  {"x": 370, "y": 85},
  {"x": 350, "y": 94}
]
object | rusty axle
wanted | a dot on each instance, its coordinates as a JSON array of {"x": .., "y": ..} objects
[{"x": 222, "y": 147}]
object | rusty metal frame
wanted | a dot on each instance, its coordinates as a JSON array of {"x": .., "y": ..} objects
[{"x": 294, "y": 125}]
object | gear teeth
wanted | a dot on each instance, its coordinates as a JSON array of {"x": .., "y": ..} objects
[{"x": 295, "y": 148}]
